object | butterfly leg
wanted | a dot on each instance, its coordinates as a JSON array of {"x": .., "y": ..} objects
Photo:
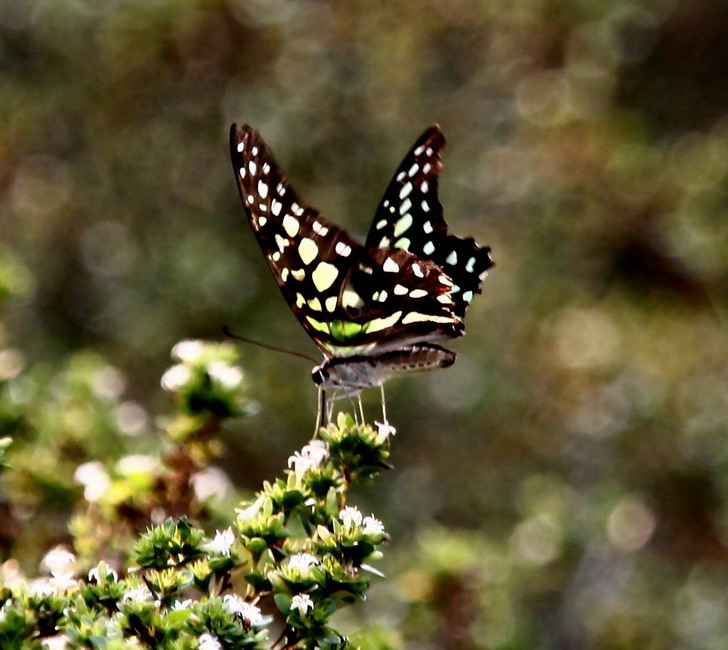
[
  {"x": 384, "y": 405},
  {"x": 354, "y": 408},
  {"x": 320, "y": 411},
  {"x": 361, "y": 408},
  {"x": 330, "y": 409}
]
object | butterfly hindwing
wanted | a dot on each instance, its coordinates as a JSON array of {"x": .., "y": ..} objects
[
  {"x": 349, "y": 298},
  {"x": 410, "y": 217}
]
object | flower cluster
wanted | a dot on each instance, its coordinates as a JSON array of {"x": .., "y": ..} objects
[{"x": 295, "y": 551}]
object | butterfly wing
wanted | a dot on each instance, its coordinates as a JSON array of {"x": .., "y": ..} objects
[
  {"x": 350, "y": 299},
  {"x": 410, "y": 217}
]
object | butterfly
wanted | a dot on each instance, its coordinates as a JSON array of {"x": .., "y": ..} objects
[{"x": 373, "y": 310}]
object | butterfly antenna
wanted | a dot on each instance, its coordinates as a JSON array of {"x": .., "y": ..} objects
[{"x": 227, "y": 332}]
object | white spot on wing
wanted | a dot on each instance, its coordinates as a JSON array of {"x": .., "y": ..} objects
[
  {"x": 417, "y": 270},
  {"x": 403, "y": 243},
  {"x": 402, "y": 225},
  {"x": 282, "y": 242},
  {"x": 342, "y": 249},
  {"x": 419, "y": 149},
  {"x": 399, "y": 290},
  {"x": 241, "y": 147},
  {"x": 468, "y": 296},
  {"x": 262, "y": 221},
  {"x": 426, "y": 169},
  {"x": 418, "y": 293},
  {"x": 400, "y": 176},
  {"x": 427, "y": 227},
  {"x": 405, "y": 207},
  {"x": 425, "y": 206},
  {"x": 307, "y": 250},
  {"x": 250, "y": 199},
  {"x": 470, "y": 266},
  {"x": 275, "y": 207},
  {"x": 330, "y": 302},
  {"x": 413, "y": 169},
  {"x": 452, "y": 258},
  {"x": 428, "y": 248},
  {"x": 266, "y": 168},
  {"x": 284, "y": 275},
  {"x": 291, "y": 226},
  {"x": 445, "y": 280},
  {"x": 262, "y": 189},
  {"x": 406, "y": 189},
  {"x": 298, "y": 274},
  {"x": 351, "y": 298},
  {"x": 381, "y": 223},
  {"x": 425, "y": 187},
  {"x": 252, "y": 167},
  {"x": 383, "y": 323},
  {"x": 324, "y": 276},
  {"x": 416, "y": 317},
  {"x": 242, "y": 172},
  {"x": 390, "y": 266}
]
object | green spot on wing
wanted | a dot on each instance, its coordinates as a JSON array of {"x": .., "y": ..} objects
[{"x": 343, "y": 330}]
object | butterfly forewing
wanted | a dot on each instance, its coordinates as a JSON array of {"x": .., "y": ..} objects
[
  {"x": 410, "y": 217},
  {"x": 350, "y": 299}
]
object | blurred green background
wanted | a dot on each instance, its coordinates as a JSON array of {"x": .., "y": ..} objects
[{"x": 580, "y": 441}]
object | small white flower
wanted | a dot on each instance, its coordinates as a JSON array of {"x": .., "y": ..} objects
[
  {"x": 175, "y": 377},
  {"x": 182, "y": 604},
  {"x": 236, "y": 605},
  {"x": 94, "y": 478},
  {"x": 222, "y": 542},
  {"x": 63, "y": 581},
  {"x": 225, "y": 374},
  {"x": 384, "y": 431},
  {"x": 246, "y": 514},
  {"x": 188, "y": 350},
  {"x": 302, "y": 602},
  {"x": 58, "y": 559},
  {"x": 42, "y": 588},
  {"x": 372, "y": 526},
  {"x": 138, "y": 594},
  {"x": 94, "y": 575},
  {"x": 351, "y": 517},
  {"x": 136, "y": 464},
  {"x": 209, "y": 642},
  {"x": 302, "y": 563},
  {"x": 301, "y": 464},
  {"x": 317, "y": 451},
  {"x": 57, "y": 642}
]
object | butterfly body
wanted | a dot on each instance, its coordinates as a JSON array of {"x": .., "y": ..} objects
[
  {"x": 374, "y": 310},
  {"x": 353, "y": 374}
]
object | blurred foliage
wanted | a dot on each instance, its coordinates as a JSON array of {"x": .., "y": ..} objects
[{"x": 580, "y": 439}]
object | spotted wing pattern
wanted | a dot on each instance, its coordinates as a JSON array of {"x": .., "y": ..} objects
[
  {"x": 410, "y": 217},
  {"x": 349, "y": 298}
]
